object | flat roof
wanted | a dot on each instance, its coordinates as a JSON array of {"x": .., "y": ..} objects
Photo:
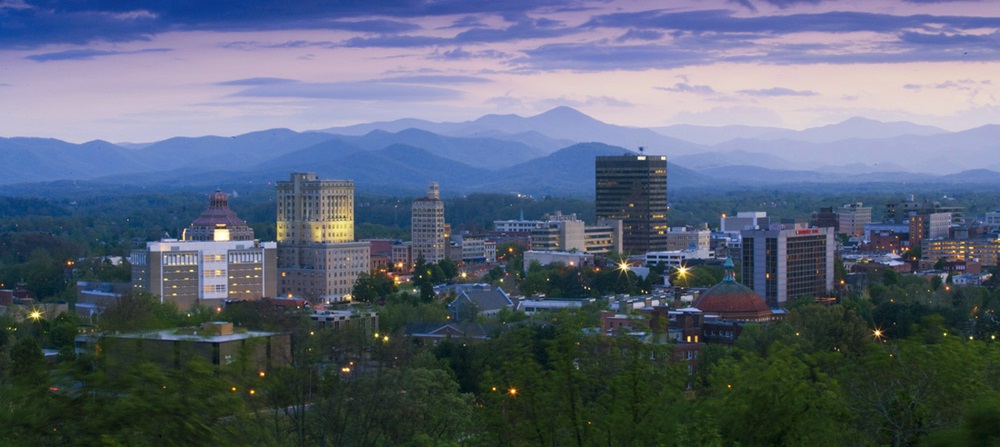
[{"x": 172, "y": 335}]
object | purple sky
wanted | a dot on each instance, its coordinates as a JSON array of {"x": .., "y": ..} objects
[{"x": 134, "y": 70}]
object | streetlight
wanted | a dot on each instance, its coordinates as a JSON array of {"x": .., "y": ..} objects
[{"x": 623, "y": 266}]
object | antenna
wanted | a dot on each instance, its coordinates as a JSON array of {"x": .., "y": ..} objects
[{"x": 641, "y": 149}]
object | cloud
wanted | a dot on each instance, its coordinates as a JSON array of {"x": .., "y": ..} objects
[
  {"x": 683, "y": 87},
  {"x": 549, "y": 103},
  {"x": 33, "y": 23},
  {"x": 466, "y": 22},
  {"x": 437, "y": 79},
  {"x": 257, "y": 81},
  {"x": 789, "y": 3},
  {"x": 634, "y": 34},
  {"x": 87, "y": 54},
  {"x": 960, "y": 84},
  {"x": 777, "y": 91},
  {"x": 574, "y": 56},
  {"x": 746, "y": 4},
  {"x": 461, "y": 54},
  {"x": 360, "y": 91},
  {"x": 506, "y": 102},
  {"x": 726, "y": 22}
]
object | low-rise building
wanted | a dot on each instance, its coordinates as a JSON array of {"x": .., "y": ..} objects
[
  {"x": 217, "y": 343},
  {"x": 574, "y": 259}
]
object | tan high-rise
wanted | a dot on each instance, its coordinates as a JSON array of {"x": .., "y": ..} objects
[
  {"x": 427, "y": 227},
  {"x": 317, "y": 256}
]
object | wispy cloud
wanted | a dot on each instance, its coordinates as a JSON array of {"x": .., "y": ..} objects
[
  {"x": 960, "y": 84},
  {"x": 683, "y": 87},
  {"x": 33, "y": 23},
  {"x": 588, "y": 101},
  {"x": 86, "y": 54},
  {"x": 257, "y": 81},
  {"x": 461, "y": 54},
  {"x": 362, "y": 90},
  {"x": 635, "y": 34},
  {"x": 777, "y": 91},
  {"x": 437, "y": 79}
]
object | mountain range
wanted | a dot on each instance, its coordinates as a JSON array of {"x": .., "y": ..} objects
[{"x": 547, "y": 154}]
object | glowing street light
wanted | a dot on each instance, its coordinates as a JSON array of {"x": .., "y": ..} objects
[{"x": 35, "y": 314}]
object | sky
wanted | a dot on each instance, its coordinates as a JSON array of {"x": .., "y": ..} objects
[{"x": 140, "y": 71}]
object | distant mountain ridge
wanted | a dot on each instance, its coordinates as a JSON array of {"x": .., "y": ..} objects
[{"x": 547, "y": 154}]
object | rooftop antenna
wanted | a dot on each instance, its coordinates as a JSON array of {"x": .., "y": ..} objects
[{"x": 641, "y": 149}]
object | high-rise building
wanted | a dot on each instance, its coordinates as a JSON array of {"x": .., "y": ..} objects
[
  {"x": 311, "y": 210},
  {"x": 217, "y": 260},
  {"x": 633, "y": 189},
  {"x": 317, "y": 256},
  {"x": 788, "y": 261},
  {"x": 852, "y": 218},
  {"x": 427, "y": 228}
]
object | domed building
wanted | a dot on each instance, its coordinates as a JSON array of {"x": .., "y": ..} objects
[
  {"x": 733, "y": 301},
  {"x": 216, "y": 260},
  {"x": 218, "y": 223}
]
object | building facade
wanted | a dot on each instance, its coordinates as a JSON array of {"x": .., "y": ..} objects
[
  {"x": 317, "y": 256},
  {"x": 986, "y": 251},
  {"x": 428, "y": 233},
  {"x": 633, "y": 189},
  {"x": 218, "y": 260},
  {"x": 786, "y": 262},
  {"x": 852, "y": 219},
  {"x": 687, "y": 238}
]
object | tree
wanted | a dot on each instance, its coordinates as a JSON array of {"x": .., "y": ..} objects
[
  {"x": 137, "y": 311},
  {"x": 448, "y": 268},
  {"x": 777, "y": 400}
]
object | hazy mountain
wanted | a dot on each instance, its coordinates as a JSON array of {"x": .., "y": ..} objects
[
  {"x": 712, "y": 135},
  {"x": 486, "y": 153},
  {"x": 228, "y": 152},
  {"x": 547, "y": 154},
  {"x": 940, "y": 153},
  {"x": 46, "y": 159},
  {"x": 303, "y": 159},
  {"x": 854, "y": 128},
  {"x": 560, "y": 123},
  {"x": 707, "y": 160}
]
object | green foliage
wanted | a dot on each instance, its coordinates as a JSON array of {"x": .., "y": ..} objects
[
  {"x": 777, "y": 400},
  {"x": 372, "y": 287},
  {"x": 140, "y": 311}
]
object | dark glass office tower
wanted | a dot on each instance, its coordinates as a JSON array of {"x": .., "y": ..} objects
[{"x": 633, "y": 188}]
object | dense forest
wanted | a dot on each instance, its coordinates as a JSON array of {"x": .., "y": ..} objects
[{"x": 896, "y": 364}]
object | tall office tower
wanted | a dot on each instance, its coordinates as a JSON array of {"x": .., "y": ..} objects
[
  {"x": 786, "y": 262},
  {"x": 217, "y": 260},
  {"x": 317, "y": 256},
  {"x": 427, "y": 228},
  {"x": 853, "y": 217},
  {"x": 633, "y": 189},
  {"x": 311, "y": 210}
]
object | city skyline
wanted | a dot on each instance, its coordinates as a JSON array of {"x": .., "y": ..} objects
[{"x": 145, "y": 71}]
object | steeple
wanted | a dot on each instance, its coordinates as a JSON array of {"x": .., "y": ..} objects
[{"x": 730, "y": 275}]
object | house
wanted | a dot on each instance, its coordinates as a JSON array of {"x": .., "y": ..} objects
[
  {"x": 434, "y": 333},
  {"x": 480, "y": 301}
]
